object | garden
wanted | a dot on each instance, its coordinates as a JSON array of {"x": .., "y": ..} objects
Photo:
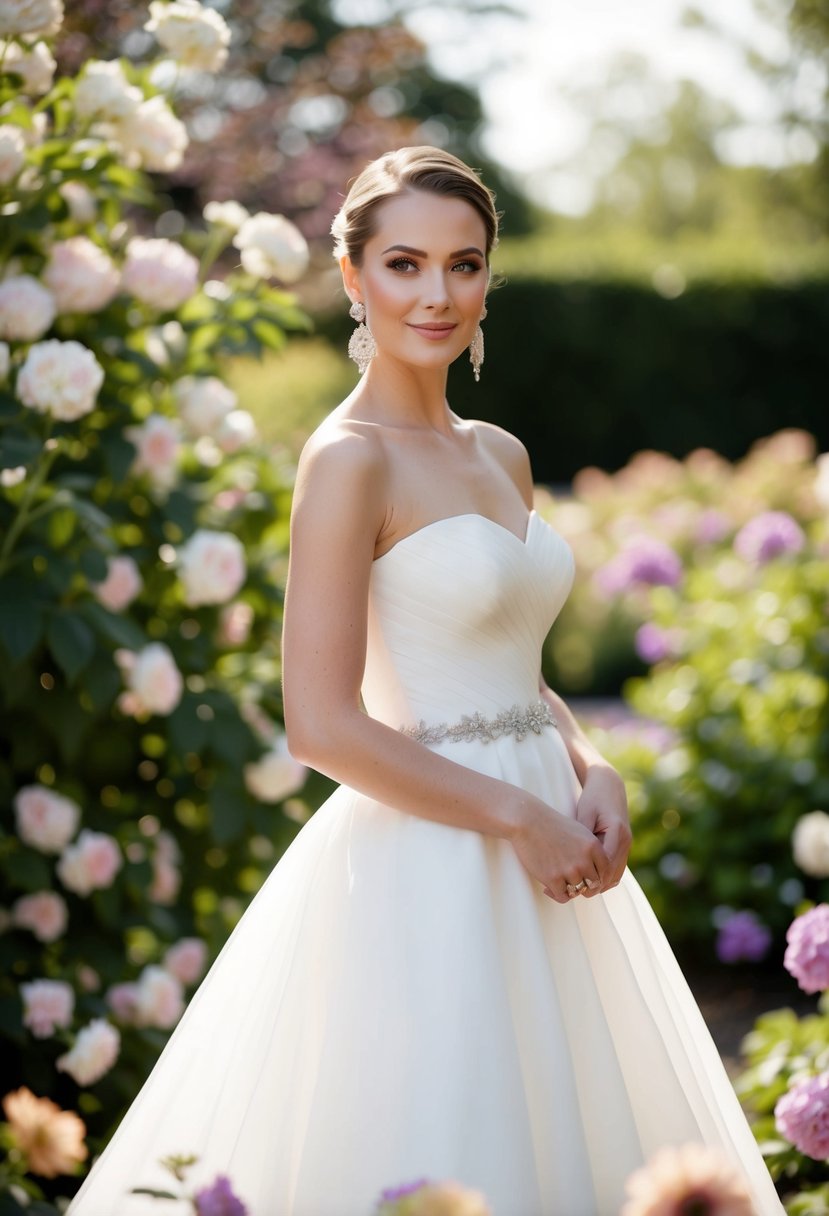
[{"x": 145, "y": 784}]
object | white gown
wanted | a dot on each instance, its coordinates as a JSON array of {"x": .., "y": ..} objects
[{"x": 401, "y": 1000}]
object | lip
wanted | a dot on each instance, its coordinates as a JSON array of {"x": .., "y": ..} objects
[{"x": 434, "y": 331}]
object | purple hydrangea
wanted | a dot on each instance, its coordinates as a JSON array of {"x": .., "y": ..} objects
[
  {"x": 712, "y": 526},
  {"x": 652, "y": 643},
  {"x": 400, "y": 1192},
  {"x": 218, "y": 1200},
  {"x": 768, "y": 535},
  {"x": 807, "y": 954},
  {"x": 742, "y": 937},
  {"x": 802, "y": 1116},
  {"x": 645, "y": 560}
]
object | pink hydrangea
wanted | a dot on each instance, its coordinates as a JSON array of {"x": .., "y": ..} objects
[
  {"x": 802, "y": 1116},
  {"x": 807, "y": 954},
  {"x": 44, "y": 913},
  {"x": 90, "y": 864},
  {"x": 47, "y": 1005}
]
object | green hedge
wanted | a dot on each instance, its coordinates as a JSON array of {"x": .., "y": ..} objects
[{"x": 587, "y": 373}]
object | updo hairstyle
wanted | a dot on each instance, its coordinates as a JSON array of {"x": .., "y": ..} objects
[{"x": 391, "y": 175}]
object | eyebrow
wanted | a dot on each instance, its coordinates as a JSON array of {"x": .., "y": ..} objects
[{"x": 420, "y": 253}]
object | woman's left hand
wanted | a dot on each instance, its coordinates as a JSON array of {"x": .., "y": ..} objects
[{"x": 603, "y": 808}]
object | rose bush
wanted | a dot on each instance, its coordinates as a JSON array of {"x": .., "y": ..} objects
[{"x": 142, "y": 554}]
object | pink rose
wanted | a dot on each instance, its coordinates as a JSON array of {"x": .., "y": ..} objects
[
  {"x": 122, "y": 1000},
  {"x": 235, "y": 621},
  {"x": 27, "y": 309},
  {"x": 80, "y": 275},
  {"x": 94, "y": 1052},
  {"x": 61, "y": 379},
  {"x": 212, "y": 566},
  {"x": 186, "y": 960},
  {"x": 277, "y": 775},
  {"x": 802, "y": 1116},
  {"x": 154, "y": 683},
  {"x": 159, "y": 272},
  {"x": 121, "y": 585},
  {"x": 47, "y": 1005},
  {"x": 45, "y": 820},
  {"x": 157, "y": 446},
  {"x": 159, "y": 998},
  {"x": 90, "y": 864},
  {"x": 44, "y": 913},
  {"x": 166, "y": 881}
]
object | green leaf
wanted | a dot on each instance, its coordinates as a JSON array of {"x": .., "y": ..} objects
[
  {"x": 21, "y": 619},
  {"x": 61, "y": 526},
  {"x": 115, "y": 628},
  {"x": 17, "y": 447},
  {"x": 30, "y": 871},
  {"x": 102, "y": 681},
  {"x": 228, "y": 812},
  {"x": 93, "y": 564},
  {"x": 71, "y": 641},
  {"x": 269, "y": 334},
  {"x": 188, "y": 732}
]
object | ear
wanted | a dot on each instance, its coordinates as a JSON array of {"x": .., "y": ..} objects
[{"x": 351, "y": 278}]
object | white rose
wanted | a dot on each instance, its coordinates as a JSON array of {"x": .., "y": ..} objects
[
  {"x": 226, "y": 215},
  {"x": 157, "y": 447},
  {"x": 277, "y": 775},
  {"x": 80, "y": 200},
  {"x": 152, "y": 137},
  {"x": 36, "y": 65},
  {"x": 159, "y": 998},
  {"x": 272, "y": 247},
  {"x": 153, "y": 681},
  {"x": 27, "y": 308},
  {"x": 61, "y": 379},
  {"x": 43, "y": 17},
  {"x": 103, "y": 91},
  {"x": 159, "y": 272},
  {"x": 45, "y": 820},
  {"x": 203, "y": 403},
  {"x": 94, "y": 1052},
  {"x": 80, "y": 275},
  {"x": 197, "y": 37},
  {"x": 12, "y": 152},
  {"x": 212, "y": 566},
  {"x": 810, "y": 844},
  {"x": 238, "y": 430},
  {"x": 121, "y": 585}
]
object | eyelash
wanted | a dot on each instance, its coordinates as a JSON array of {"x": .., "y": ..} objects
[{"x": 397, "y": 263}]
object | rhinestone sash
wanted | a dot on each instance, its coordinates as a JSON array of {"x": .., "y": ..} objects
[{"x": 516, "y": 721}]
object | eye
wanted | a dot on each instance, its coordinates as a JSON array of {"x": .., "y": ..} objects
[
  {"x": 401, "y": 264},
  {"x": 469, "y": 265}
]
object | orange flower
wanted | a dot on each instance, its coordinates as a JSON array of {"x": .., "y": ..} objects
[
  {"x": 50, "y": 1138},
  {"x": 689, "y": 1178}
]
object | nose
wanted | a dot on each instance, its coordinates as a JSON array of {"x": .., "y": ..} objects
[{"x": 435, "y": 290}]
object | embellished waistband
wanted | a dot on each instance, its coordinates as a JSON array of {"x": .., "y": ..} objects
[{"x": 516, "y": 721}]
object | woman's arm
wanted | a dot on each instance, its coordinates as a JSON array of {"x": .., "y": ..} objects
[{"x": 339, "y": 509}]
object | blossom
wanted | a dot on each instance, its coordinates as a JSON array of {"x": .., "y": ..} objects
[
  {"x": 712, "y": 525},
  {"x": 61, "y": 379},
  {"x": 276, "y": 775},
  {"x": 212, "y": 567},
  {"x": 653, "y": 643},
  {"x": 153, "y": 680},
  {"x": 235, "y": 621},
  {"x": 272, "y": 247},
  {"x": 807, "y": 954},
  {"x": 810, "y": 844},
  {"x": 195, "y": 36},
  {"x": 45, "y": 820},
  {"x": 203, "y": 403},
  {"x": 821, "y": 486},
  {"x": 769, "y": 535},
  {"x": 151, "y": 137},
  {"x": 742, "y": 936},
  {"x": 687, "y": 1178},
  {"x": 5, "y": 360},
  {"x": 51, "y": 1139},
  {"x": 218, "y": 1199},
  {"x": 35, "y": 64},
  {"x": 802, "y": 1116},
  {"x": 47, "y": 1004},
  {"x": 80, "y": 275},
  {"x": 122, "y": 584},
  {"x": 12, "y": 152},
  {"x": 27, "y": 308},
  {"x": 238, "y": 429},
  {"x": 159, "y": 272},
  {"x": 122, "y": 1000},
  {"x": 432, "y": 1199},
  {"x": 103, "y": 91},
  {"x": 44, "y": 913},
  {"x": 186, "y": 959},
  {"x": 157, "y": 445},
  {"x": 644, "y": 560},
  {"x": 159, "y": 999},
  {"x": 90, "y": 864},
  {"x": 94, "y": 1052},
  {"x": 80, "y": 200},
  {"x": 226, "y": 215},
  {"x": 43, "y": 17}
]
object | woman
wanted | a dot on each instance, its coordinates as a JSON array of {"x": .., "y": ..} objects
[{"x": 450, "y": 973}]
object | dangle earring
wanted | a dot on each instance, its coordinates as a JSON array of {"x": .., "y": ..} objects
[
  {"x": 361, "y": 346},
  {"x": 476, "y": 350}
]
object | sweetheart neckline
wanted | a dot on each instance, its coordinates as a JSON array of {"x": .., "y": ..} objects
[{"x": 464, "y": 515}]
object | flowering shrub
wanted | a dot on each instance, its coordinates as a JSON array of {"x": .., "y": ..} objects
[{"x": 141, "y": 563}]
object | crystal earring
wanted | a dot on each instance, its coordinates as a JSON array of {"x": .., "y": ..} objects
[
  {"x": 476, "y": 350},
  {"x": 361, "y": 346}
]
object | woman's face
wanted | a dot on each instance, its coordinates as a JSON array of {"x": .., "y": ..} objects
[{"x": 423, "y": 279}]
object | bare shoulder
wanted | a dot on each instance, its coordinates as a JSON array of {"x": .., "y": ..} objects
[
  {"x": 509, "y": 451},
  {"x": 341, "y": 458}
]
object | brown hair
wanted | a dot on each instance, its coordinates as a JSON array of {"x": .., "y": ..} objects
[{"x": 419, "y": 168}]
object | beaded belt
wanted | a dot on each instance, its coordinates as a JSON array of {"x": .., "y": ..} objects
[{"x": 515, "y": 721}]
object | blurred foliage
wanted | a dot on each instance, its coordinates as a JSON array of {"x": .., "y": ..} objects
[{"x": 302, "y": 104}]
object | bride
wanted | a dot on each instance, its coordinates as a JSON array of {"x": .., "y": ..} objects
[{"x": 450, "y": 973}]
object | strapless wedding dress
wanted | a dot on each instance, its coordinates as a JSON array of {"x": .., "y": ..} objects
[{"x": 401, "y": 1000}]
